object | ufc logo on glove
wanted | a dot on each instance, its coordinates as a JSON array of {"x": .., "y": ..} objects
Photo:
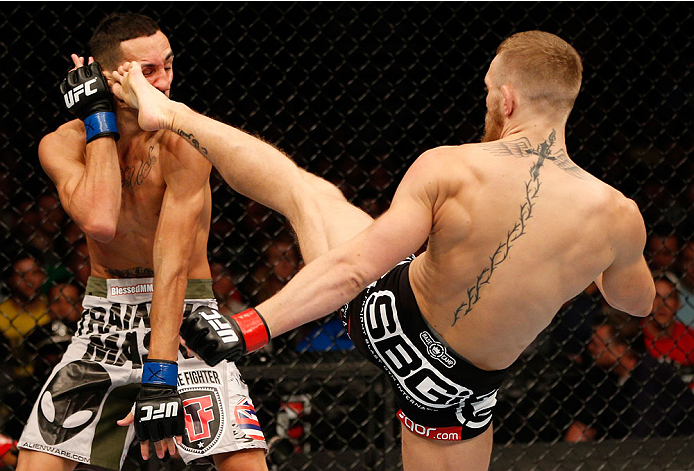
[
  {"x": 73, "y": 96},
  {"x": 158, "y": 409},
  {"x": 168, "y": 409},
  {"x": 223, "y": 328}
]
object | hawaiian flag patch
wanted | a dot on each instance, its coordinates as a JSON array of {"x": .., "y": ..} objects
[{"x": 247, "y": 420}]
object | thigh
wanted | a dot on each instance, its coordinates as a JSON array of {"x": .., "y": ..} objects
[
  {"x": 435, "y": 455},
  {"x": 326, "y": 219},
  {"x": 242, "y": 460},
  {"x": 30, "y": 460}
]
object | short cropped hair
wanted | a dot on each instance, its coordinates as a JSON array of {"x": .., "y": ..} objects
[
  {"x": 543, "y": 67},
  {"x": 113, "y": 30}
]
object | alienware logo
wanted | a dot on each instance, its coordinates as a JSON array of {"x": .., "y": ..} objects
[{"x": 71, "y": 400}]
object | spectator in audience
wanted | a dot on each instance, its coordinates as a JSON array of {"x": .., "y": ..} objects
[
  {"x": 8, "y": 453},
  {"x": 27, "y": 227},
  {"x": 78, "y": 263},
  {"x": 26, "y": 307},
  {"x": 624, "y": 392},
  {"x": 686, "y": 285},
  {"x": 662, "y": 248},
  {"x": 573, "y": 325},
  {"x": 47, "y": 343},
  {"x": 24, "y": 311},
  {"x": 65, "y": 304},
  {"x": 228, "y": 297},
  {"x": 280, "y": 262},
  {"x": 666, "y": 337},
  {"x": 52, "y": 215}
]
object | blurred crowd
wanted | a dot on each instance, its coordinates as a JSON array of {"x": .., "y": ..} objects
[{"x": 604, "y": 374}]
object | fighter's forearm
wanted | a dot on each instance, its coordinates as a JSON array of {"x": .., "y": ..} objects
[
  {"x": 96, "y": 200},
  {"x": 320, "y": 288},
  {"x": 166, "y": 316},
  {"x": 173, "y": 250}
]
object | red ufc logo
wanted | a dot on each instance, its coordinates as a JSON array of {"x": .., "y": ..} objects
[{"x": 199, "y": 414}]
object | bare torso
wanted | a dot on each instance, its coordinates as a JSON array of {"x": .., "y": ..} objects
[
  {"x": 518, "y": 231},
  {"x": 130, "y": 253}
]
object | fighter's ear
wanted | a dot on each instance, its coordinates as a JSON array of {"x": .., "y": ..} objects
[{"x": 510, "y": 100}]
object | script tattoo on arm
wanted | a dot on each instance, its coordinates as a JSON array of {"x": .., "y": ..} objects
[
  {"x": 137, "y": 272},
  {"x": 519, "y": 148},
  {"x": 191, "y": 139}
]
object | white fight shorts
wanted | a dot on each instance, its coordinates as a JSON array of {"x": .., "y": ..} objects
[{"x": 98, "y": 378}]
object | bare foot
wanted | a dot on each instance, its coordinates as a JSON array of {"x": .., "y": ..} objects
[{"x": 133, "y": 88}]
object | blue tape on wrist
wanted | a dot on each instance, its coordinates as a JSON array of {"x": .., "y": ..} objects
[
  {"x": 155, "y": 372},
  {"x": 100, "y": 123}
]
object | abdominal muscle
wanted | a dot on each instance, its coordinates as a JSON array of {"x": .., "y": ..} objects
[{"x": 130, "y": 255}]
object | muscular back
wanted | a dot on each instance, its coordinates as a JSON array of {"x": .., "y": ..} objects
[{"x": 518, "y": 229}]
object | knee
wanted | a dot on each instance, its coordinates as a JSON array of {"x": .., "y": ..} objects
[{"x": 322, "y": 188}]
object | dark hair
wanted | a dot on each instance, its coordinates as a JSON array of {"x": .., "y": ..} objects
[{"x": 113, "y": 30}]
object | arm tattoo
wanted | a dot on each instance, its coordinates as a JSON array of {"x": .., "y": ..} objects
[
  {"x": 131, "y": 177},
  {"x": 519, "y": 148},
  {"x": 137, "y": 272},
  {"x": 191, "y": 139}
]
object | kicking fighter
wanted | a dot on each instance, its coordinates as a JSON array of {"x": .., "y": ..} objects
[{"x": 514, "y": 227}]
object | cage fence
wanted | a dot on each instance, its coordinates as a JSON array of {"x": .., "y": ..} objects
[{"x": 354, "y": 92}]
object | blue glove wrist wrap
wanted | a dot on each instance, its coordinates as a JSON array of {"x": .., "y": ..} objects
[
  {"x": 160, "y": 372},
  {"x": 101, "y": 123}
]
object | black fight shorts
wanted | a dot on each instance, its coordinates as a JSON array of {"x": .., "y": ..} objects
[{"x": 440, "y": 395}]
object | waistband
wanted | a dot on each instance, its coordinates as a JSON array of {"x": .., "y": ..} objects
[{"x": 196, "y": 289}]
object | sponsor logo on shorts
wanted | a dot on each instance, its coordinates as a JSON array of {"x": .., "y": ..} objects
[
  {"x": 247, "y": 420},
  {"x": 424, "y": 385},
  {"x": 68, "y": 406},
  {"x": 204, "y": 416},
  {"x": 138, "y": 288},
  {"x": 437, "y": 350},
  {"x": 198, "y": 377},
  {"x": 435, "y": 433},
  {"x": 55, "y": 451}
]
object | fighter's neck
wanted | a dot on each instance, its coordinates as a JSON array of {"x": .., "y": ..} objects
[
  {"x": 536, "y": 132},
  {"x": 128, "y": 128}
]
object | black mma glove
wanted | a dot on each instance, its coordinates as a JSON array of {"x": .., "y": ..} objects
[
  {"x": 216, "y": 337},
  {"x": 158, "y": 408},
  {"x": 87, "y": 95}
]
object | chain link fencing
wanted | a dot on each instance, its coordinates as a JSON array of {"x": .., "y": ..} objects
[{"x": 354, "y": 92}]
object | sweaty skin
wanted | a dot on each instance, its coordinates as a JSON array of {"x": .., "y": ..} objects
[{"x": 514, "y": 230}]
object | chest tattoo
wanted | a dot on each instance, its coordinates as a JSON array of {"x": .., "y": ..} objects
[
  {"x": 135, "y": 175},
  {"x": 545, "y": 151}
]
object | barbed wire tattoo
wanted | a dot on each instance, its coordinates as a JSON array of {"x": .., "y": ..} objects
[{"x": 520, "y": 148}]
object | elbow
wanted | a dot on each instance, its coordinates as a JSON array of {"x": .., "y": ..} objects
[
  {"x": 639, "y": 306},
  {"x": 100, "y": 230},
  {"x": 645, "y": 307},
  {"x": 356, "y": 276}
]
